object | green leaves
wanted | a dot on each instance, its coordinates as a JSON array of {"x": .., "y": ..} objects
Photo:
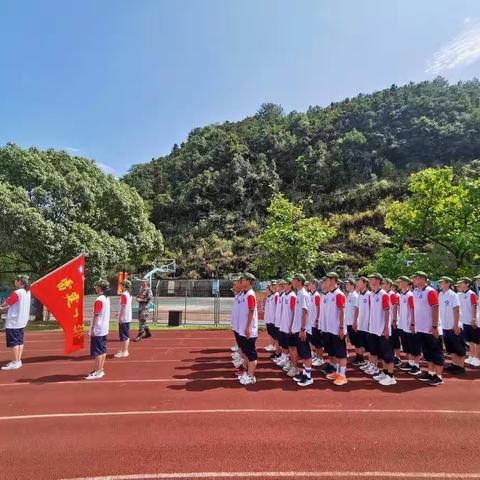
[
  {"x": 290, "y": 241},
  {"x": 54, "y": 207}
]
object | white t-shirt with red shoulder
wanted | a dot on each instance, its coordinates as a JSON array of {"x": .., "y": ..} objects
[
  {"x": 379, "y": 304},
  {"x": 126, "y": 302},
  {"x": 288, "y": 306},
  {"x": 467, "y": 300},
  {"x": 363, "y": 305},
  {"x": 423, "y": 301},
  {"x": 394, "y": 300},
  {"x": 18, "y": 312},
  {"x": 248, "y": 303},
  {"x": 270, "y": 306},
  {"x": 301, "y": 305},
  {"x": 313, "y": 306},
  {"x": 278, "y": 309},
  {"x": 405, "y": 307},
  {"x": 322, "y": 320},
  {"x": 448, "y": 301},
  {"x": 102, "y": 309},
  {"x": 334, "y": 305},
  {"x": 350, "y": 307}
]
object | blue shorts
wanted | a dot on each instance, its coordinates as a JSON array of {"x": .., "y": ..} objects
[
  {"x": 98, "y": 346},
  {"x": 14, "y": 337},
  {"x": 124, "y": 331}
]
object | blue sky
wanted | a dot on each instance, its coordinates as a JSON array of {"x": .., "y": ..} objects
[{"x": 121, "y": 81}]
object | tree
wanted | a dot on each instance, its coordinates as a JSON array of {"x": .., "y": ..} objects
[
  {"x": 291, "y": 242},
  {"x": 54, "y": 206},
  {"x": 442, "y": 210}
]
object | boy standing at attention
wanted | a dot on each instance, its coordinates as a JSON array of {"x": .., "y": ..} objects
[
  {"x": 427, "y": 324},
  {"x": 124, "y": 318},
  {"x": 248, "y": 328},
  {"x": 468, "y": 311},
  {"x": 99, "y": 329},
  {"x": 18, "y": 314}
]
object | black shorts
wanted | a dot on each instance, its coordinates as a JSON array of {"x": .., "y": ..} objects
[
  {"x": 381, "y": 347},
  {"x": 124, "y": 331},
  {"x": 248, "y": 346},
  {"x": 405, "y": 336},
  {"x": 292, "y": 340},
  {"x": 395, "y": 337},
  {"x": 355, "y": 337},
  {"x": 339, "y": 346},
  {"x": 270, "y": 329},
  {"x": 317, "y": 338},
  {"x": 303, "y": 347},
  {"x": 98, "y": 345},
  {"x": 14, "y": 337},
  {"x": 454, "y": 344},
  {"x": 361, "y": 339},
  {"x": 237, "y": 335},
  {"x": 328, "y": 344},
  {"x": 283, "y": 339},
  {"x": 471, "y": 334},
  {"x": 432, "y": 348}
]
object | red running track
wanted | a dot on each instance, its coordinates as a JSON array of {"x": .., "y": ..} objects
[{"x": 174, "y": 409}]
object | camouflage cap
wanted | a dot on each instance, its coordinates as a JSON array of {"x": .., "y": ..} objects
[
  {"x": 404, "y": 278},
  {"x": 376, "y": 275},
  {"x": 420, "y": 274},
  {"x": 465, "y": 280},
  {"x": 333, "y": 275},
  {"x": 126, "y": 283},
  {"x": 476, "y": 277},
  {"x": 102, "y": 283},
  {"x": 25, "y": 279},
  {"x": 446, "y": 279},
  {"x": 350, "y": 280},
  {"x": 300, "y": 277},
  {"x": 388, "y": 280},
  {"x": 248, "y": 276}
]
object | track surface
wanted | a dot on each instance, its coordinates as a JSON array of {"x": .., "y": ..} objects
[{"x": 174, "y": 409}]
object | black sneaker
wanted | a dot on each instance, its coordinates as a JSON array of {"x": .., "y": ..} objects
[
  {"x": 405, "y": 367},
  {"x": 330, "y": 369},
  {"x": 451, "y": 368},
  {"x": 455, "y": 370},
  {"x": 274, "y": 355},
  {"x": 397, "y": 361},
  {"x": 305, "y": 382},
  {"x": 435, "y": 381},
  {"x": 415, "y": 371},
  {"x": 358, "y": 361},
  {"x": 425, "y": 377},
  {"x": 299, "y": 377},
  {"x": 324, "y": 367}
]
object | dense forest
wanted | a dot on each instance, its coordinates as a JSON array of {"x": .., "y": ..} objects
[{"x": 345, "y": 163}]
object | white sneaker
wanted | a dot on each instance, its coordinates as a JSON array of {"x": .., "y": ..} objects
[
  {"x": 234, "y": 348},
  {"x": 270, "y": 348},
  {"x": 469, "y": 360},
  {"x": 372, "y": 370},
  {"x": 380, "y": 376},
  {"x": 121, "y": 354},
  {"x": 236, "y": 355},
  {"x": 238, "y": 363},
  {"x": 12, "y": 365},
  {"x": 387, "y": 381},
  {"x": 278, "y": 360},
  {"x": 318, "y": 362},
  {"x": 475, "y": 362},
  {"x": 287, "y": 367},
  {"x": 364, "y": 367},
  {"x": 247, "y": 380},
  {"x": 282, "y": 363},
  {"x": 95, "y": 375},
  {"x": 292, "y": 372}
]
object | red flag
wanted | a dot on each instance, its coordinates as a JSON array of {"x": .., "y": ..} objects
[{"x": 62, "y": 292}]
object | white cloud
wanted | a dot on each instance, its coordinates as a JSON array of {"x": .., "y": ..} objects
[
  {"x": 71, "y": 150},
  {"x": 106, "y": 168},
  {"x": 467, "y": 20},
  {"x": 462, "y": 50}
]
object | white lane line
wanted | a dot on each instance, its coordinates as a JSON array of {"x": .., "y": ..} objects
[
  {"x": 337, "y": 474},
  {"x": 200, "y": 347},
  {"x": 151, "y": 340},
  {"x": 243, "y": 411},
  {"x": 89, "y": 360}
]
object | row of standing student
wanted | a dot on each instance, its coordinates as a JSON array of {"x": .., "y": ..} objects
[{"x": 305, "y": 324}]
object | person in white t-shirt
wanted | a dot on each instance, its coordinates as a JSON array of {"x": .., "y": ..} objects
[
  {"x": 99, "y": 329},
  {"x": 302, "y": 329},
  {"x": 468, "y": 311},
  {"x": 278, "y": 357},
  {"x": 360, "y": 323},
  {"x": 287, "y": 340},
  {"x": 269, "y": 314},
  {"x": 314, "y": 321},
  {"x": 449, "y": 312},
  {"x": 352, "y": 298},
  {"x": 124, "y": 318},
  {"x": 248, "y": 328},
  {"x": 18, "y": 314},
  {"x": 238, "y": 358}
]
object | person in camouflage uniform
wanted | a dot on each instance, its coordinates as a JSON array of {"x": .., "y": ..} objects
[{"x": 143, "y": 298}]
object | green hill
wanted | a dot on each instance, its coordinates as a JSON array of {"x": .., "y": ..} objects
[{"x": 344, "y": 162}]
